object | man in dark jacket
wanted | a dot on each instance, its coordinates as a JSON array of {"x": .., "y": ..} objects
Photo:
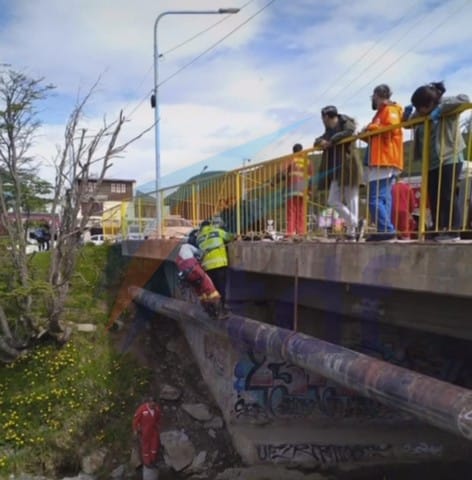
[{"x": 340, "y": 170}]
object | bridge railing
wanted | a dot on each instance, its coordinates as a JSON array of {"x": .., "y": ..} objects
[{"x": 291, "y": 195}]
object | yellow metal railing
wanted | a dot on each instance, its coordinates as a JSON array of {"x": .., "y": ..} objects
[{"x": 289, "y": 195}]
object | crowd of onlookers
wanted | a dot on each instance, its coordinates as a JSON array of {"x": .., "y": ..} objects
[{"x": 389, "y": 199}]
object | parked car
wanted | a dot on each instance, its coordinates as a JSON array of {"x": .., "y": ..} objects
[
  {"x": 97, "y": 239},
  {"x": 176, "y": 226},
  {"x": 173, "y": 226}
]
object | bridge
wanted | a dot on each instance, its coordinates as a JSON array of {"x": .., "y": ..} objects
[
  {"x": 335, "y": 353},
  {"x": 389, "y": 303}
]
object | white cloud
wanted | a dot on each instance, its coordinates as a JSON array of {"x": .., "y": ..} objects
[{"x": 282, "y": 66}]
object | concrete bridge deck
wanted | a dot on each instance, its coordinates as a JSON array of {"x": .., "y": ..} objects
[
  {"x": 425, "y": 286},
  {"x": 444, "y": 269}
]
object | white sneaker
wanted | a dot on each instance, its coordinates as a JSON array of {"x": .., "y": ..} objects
[{"x": 448, "y": 238}]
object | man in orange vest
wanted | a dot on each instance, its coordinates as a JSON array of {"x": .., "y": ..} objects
[{"x": 385, "y": 161}]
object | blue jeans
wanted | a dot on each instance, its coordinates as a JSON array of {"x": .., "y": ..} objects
[{"x": 380, "y": 204}]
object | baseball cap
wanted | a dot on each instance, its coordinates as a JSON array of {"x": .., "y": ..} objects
[
  {"x": 383, "y": 91},
  {"x": 329, "y": 110}
]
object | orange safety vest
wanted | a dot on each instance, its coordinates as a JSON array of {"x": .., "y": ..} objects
[{"x": 386, "y": 149}]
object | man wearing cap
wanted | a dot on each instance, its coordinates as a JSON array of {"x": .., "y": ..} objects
[
  {"x": 384, "y": 159},
  {"x": 339, "y": 170}
]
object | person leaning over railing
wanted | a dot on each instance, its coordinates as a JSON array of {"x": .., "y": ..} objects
[
  {"x": 384, "y": 160},
  {"x": 340, "y": 170},
  {"x": 446, "y": 154},
  {"x": 212, "y": 240}
]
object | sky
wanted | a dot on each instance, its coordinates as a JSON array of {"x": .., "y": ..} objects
[{"x": 253, "y": 95}]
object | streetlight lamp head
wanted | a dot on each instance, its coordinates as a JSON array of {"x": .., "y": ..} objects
[{"x": 228, "y": 10}]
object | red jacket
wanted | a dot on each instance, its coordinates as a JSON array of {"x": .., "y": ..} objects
[{"x": 146, "y": 424}]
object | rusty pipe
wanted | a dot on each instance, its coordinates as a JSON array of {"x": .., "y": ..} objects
[{"x": 433, "y": 401}]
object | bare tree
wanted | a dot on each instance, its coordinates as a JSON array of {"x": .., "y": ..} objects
[
  {"x": 81, "y": 166},
  {"x": 84, "y": 154}
]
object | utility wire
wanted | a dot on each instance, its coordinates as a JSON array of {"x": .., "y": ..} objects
[
  {"x": 173, "y": 49},
  {"x": 366, "y": 52},
  {"x": 211, "y": 47},
  {"x": 146, "y": 96},
  {"x": 417, "y": 42}
]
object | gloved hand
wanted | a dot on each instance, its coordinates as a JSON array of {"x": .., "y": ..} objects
[
  {"x": 407, "y": 112},
  {"x": 435, "y": 114}
]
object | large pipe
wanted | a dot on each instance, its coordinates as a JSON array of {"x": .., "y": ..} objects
[{"x": 438, "y": 403}]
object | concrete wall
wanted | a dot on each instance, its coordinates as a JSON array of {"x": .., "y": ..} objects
[
  {"x": 432, "y": 268},
  {"x": 278, "y": 413}
]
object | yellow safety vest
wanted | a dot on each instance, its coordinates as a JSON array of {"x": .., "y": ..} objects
[{"x": 211, "y": 240}]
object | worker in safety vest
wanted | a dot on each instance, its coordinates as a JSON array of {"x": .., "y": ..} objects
[
  {"x": 298, "y": 173},
  {"x": 212, "y": 240},
  {"x": 191, "y": 273}
]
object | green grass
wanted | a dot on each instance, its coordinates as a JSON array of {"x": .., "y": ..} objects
[{"x": 59, "y": 404}]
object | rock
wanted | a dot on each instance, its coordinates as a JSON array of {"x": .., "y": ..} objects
[
  {"x": 93, "y": 462},
  {"x": 80, "y": 476},
  {"x": 215, "y": 423},
  {"x": 150, "y": 473},
  {"x": 198, "y": 463},
  {"x": 198, "y": 411},
  {"x": 24, "y": 476},
  {"x": 266, "y": 472},
  {"x": 85, "y": 327},
  {"x": 118, "y": 472},
  {"x": 168, "y": 392},
  {"x": 175, "y": 345},
  {"x": 212, "y": 433},
  {"x": 179, "y": 451}
]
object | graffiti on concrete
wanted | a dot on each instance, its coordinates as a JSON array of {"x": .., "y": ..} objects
[
  {"x": 321, "y": 454},
  {"x": 423, "y": 448},
  {"x": 282, "y": 390},
  {"x": 250, "y": 411},
  {"x": 465, "y": 421}
]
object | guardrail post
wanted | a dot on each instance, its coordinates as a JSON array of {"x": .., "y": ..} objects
[{"x": 424, "y": 180}]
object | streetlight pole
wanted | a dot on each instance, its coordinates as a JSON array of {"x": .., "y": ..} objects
[{"x": 220, "y": 11}]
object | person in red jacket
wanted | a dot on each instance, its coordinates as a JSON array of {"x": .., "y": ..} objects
[
  {"x": 146, "y": 422},
  {"x": 297, "y": 176},
  {"x": 403, "y": 204},
  {"x": 190, "y": 272}
]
